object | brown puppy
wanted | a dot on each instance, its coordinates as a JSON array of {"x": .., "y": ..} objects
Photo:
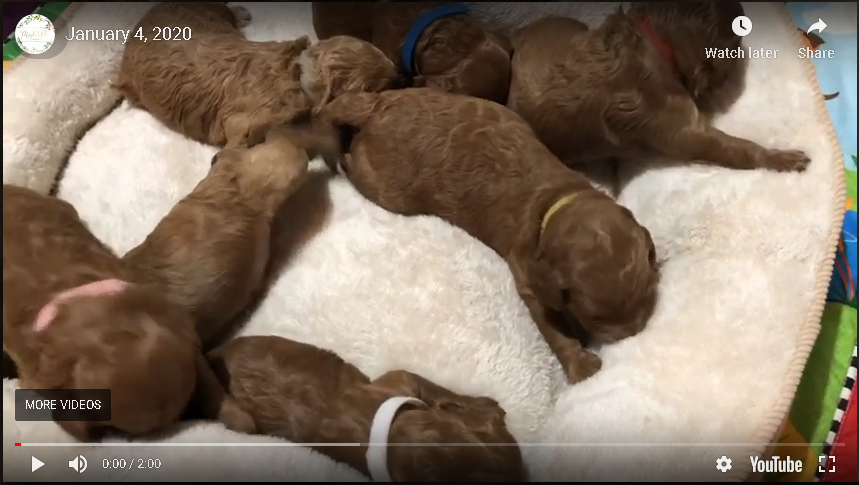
[
  {"x": 75, "y": 318},
  {"x": 479, "y": 166},
  {"x": 211, "y": 251},
  {"x": 309, "y": 395},
  {"x": 454, "y": 52},
  {"x": 641, "y": 84},
  {"x": 219, "y": 88}
]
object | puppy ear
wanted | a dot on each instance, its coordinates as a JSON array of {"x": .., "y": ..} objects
[{"x": 544, "y": 282}]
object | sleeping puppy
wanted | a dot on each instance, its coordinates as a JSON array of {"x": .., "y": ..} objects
[
  {"x": 641, "y": 84},
  {"x": 436, "y": 44},
  {"x": 75, "y": 317},
  {"x": 309, "y": 395},
  {"x": 211, "y": 251},
  {"x": 221, "y": 89},
  {"x": 479, "y": 166}
]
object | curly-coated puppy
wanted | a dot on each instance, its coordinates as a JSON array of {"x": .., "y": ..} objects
[
  {"x": 436, "y": 44},
  {"x": 640, "y": 84},
  {"x": 75, "y": 317},
  {"x": 220, "y": 88},
  {"x": 211, "y": 251},
  {"x": 479, "y": 166},
  {"x": 309, "y": 395}
]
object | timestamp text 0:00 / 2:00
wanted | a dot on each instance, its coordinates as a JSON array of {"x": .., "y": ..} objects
[{"x": 134, "y": 463}]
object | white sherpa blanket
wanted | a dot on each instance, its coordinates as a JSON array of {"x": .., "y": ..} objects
[{"x": 747, "y": 258}]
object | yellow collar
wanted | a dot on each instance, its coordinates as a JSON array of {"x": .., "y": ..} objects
[{"x": 565, "y": 200}]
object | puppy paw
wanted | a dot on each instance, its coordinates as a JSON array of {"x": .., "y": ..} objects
[
  {"x": 786, "y": 160},
  {"x": 243, "y": 16},
  {"x": 236, "y": 419},
  {"x": 582, "y": 366}
]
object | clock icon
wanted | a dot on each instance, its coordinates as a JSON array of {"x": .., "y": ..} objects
[{"x": 742, "y": 26}]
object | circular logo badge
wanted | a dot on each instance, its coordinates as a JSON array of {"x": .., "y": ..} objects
[{"x": 35, "y": 34}]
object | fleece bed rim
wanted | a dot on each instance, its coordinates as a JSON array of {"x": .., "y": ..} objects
[{"x": 780, "y": 411}]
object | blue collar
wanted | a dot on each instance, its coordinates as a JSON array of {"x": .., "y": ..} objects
[{"x": 407, "y": 59}]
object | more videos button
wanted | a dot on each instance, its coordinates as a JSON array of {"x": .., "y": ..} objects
[{"x": 62, "y": 405}]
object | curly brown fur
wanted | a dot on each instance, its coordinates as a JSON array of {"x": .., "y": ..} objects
[
  {"x": 479, "y": 166},
  {"x": 457, "y": 54},
  {"x": 222, "y": 89},
  {"x": 614, "y": 92},
  {"x": 309, "y": 395},
  {"x": 133, "y": 341},
  {"x": 211, "y": 251}
]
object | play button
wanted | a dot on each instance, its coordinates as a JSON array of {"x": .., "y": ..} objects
[{"x": 37, "y": 463}]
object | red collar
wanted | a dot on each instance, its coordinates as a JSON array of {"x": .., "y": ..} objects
[{"x": 658, "y": 43}]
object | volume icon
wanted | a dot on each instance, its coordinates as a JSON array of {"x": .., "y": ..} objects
[{"x": 78, "y": 463}]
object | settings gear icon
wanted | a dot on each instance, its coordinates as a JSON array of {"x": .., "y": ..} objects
[{"x": 723, "y": 464}]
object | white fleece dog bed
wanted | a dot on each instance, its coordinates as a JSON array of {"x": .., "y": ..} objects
[{"x": 747, "y": 258}]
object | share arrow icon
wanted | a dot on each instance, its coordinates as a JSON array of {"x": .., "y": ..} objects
[{"x": 818, "y": 26}]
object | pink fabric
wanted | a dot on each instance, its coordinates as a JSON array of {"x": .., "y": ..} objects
[{"x": 97, "y": 288}]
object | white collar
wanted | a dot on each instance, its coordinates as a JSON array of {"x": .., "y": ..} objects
[{"x": 377, "y": 449}]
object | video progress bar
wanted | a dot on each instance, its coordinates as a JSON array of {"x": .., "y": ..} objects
[{"x": 542, "y": 445}]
